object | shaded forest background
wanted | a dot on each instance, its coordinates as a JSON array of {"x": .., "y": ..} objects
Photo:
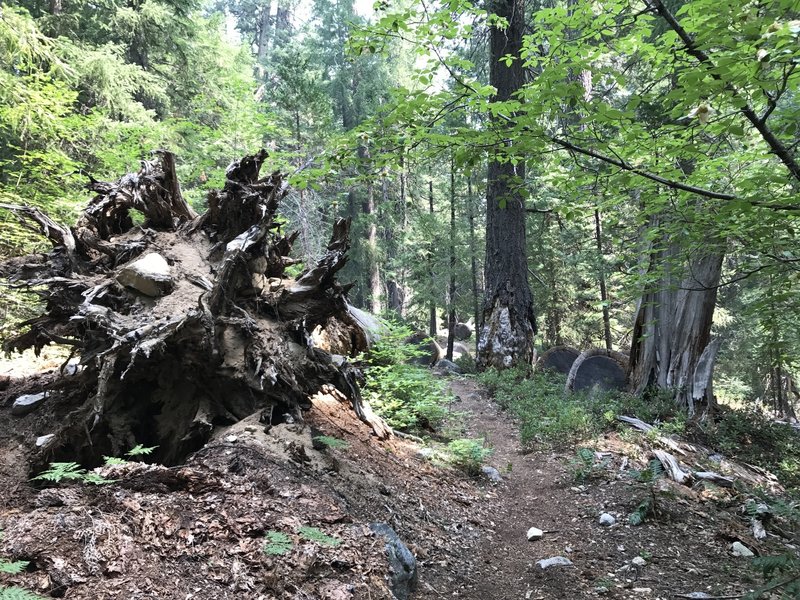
[{"x": 386, "y": 115}]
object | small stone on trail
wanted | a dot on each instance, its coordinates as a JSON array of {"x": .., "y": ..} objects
[
  {"x": 601, "y": 590},
  {"x": 231, "y": 439},
  {"x": 638, "y": 561},
  {"x": 642, "y": 590},
  {"x": 492, "y": 474},
  {"x": 739, "y": 549},
  {"x": 535, "y": 533},
  {"x": 27, "y": 404},
  {"x": 555, "y": 561},
  {"x": 607, "y": 520}
]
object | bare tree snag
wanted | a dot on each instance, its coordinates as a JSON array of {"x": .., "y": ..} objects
[{"x": 229, "y": 337}]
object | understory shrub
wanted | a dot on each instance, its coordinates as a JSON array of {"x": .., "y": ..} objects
[
  {"x": 468, "y": 454},
  {"x": 549, "y": 416},
  {"x": 407, "y": 396}
]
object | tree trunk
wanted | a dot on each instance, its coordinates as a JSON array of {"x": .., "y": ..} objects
[
  {"x": 432, "y": 326},
  {"x": 473, "y": 250},
  {"x": 219, "y": 333},
  {"x": 509, "y": 326},
  {"x": 265, "y": 21},
  {"x": 451, "y": 291},
  {"x": 602, "y": 276},
  {"x": 373, "y": 267},
  {"x": 56, "y": 6},
  {"x": 672, "y": 347}
]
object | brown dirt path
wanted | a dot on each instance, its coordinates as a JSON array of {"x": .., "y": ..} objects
[{"x": 685, "y": 549}]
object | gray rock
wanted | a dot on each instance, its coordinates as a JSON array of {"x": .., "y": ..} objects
[
  {"x": 463, "y": 331},
  {"x": 429, "y": 349},
  {"x": 607, "y": 520},
  {"x": 491, "y": 474},
  {"x": 44, "y": 440},
  {"x": 402, "y": 563},
  {"x": 27, "y": 404},
  {"x": 638, "y": 561},
  {"x": 555, "y": 561},
  {"x": 534, "y": 533},
  {"x": 445, "y": 367},
  {"x": 149, "y": 275},
  {"x": 739, "y": 549}
]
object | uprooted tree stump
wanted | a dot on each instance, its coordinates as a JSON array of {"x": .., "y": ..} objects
[{"x": 184, "y": 322}]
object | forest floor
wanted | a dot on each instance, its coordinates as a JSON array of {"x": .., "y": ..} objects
[{"x": 277, "y": 514}]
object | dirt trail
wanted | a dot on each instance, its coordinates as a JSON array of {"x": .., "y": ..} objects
[{"x": 685, "y": 549}]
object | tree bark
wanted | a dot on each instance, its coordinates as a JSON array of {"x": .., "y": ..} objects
[
  {"x": 432, "y": 326},
  {"x": 601, "y": 273},
  {"x": 672, "y": 347},
  {"x": 509, "y": 326},
  {"x": 451, "y": 291},
  {"x": 473, "y": 250}
]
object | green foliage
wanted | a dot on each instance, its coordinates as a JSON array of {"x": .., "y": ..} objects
[
  {"x": 14, "y": 592},
  {"x": 70, "y": 471},
  {"x": 331, "y": 442},
  {"x": 468, "y": 454},
  {"x": 277, "y": 543},
  {"x": 17, "y": 593},
  {"x": 585, "y": 467},
  {"x": 135, "y": 452},
  {"x": 649, "y": 474},
  {"x": 407, "y": 396},
  {"x": 316, "y": 535},
  {"x": 750, "y": 436},
  {"x": 642, "y": 511},
  {"x": 13, "y": 568},
  {"x": 781, "y": 572}
]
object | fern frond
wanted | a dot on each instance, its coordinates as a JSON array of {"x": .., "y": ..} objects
[
  {"x": 12, "y": 568},
  {"x": 17, "y": 593},
  {"x": 316, "y": 535}
]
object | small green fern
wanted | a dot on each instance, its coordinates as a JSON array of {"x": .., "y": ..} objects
[
  {"x": 139, "y": 450},
  {"x": 12, "y": 568},
  {"x": 640, "y": 514},
  {"x": 277, "y": 544},
  {"x": 70, "y": 471},
  {"x": 331, "y": 442},
  {"x": 17, "y": 593},
  {"x": 315, "y": 535}
]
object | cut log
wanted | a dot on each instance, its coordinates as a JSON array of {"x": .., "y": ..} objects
[
  {"x": 231, "y": 338},
  {"x": 598, "y": 368},
  {"x": 558, "y": 358}
]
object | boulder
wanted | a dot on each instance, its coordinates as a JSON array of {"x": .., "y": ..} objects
[
  {"x": 403, "y": 574},
  {"x": 149, "y": 275},
  {"x": 446, "y": 367},
  {"x": 431, "y": 351},
  {"x": 463, "y": 331},
  {"x": 27, "y": 404}
]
